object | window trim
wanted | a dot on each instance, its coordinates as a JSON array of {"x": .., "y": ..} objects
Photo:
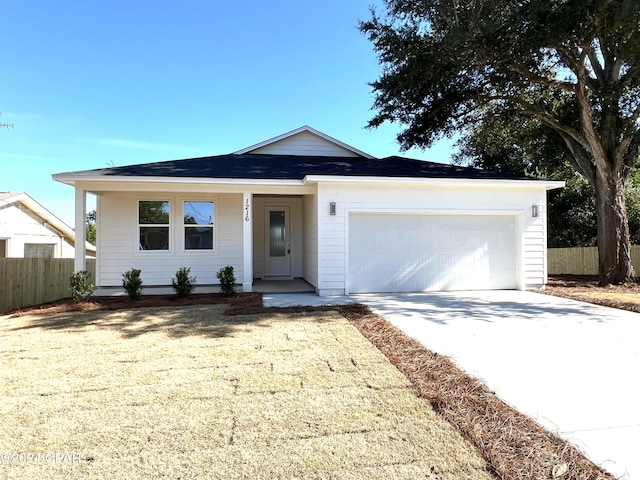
[
  {"x": 198, "y": 252},
  {"x": 139, "y": 225}
]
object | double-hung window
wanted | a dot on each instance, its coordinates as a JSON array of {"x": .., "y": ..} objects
[
  {"x": 198, "y": 225},
  {"x": 153, "y": 224}
]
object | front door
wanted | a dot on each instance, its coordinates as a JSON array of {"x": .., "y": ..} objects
[{"x": 277, "y": 242}]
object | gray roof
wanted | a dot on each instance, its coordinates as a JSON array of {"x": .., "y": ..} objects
[{"x": 294, "y": 167}]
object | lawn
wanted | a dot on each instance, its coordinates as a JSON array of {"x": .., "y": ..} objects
[{"x": 187, "y": 392}]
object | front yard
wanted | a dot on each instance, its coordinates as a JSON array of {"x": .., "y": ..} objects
[{"x": 190, "y": 393}]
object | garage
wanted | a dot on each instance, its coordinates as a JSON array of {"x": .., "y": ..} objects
[{"x": 418, "y": 252}]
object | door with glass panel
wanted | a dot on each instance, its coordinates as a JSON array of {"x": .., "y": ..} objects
[{"x": 277, "y": 242}]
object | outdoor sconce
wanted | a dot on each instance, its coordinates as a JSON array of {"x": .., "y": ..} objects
[
  {"x": 332, "y": 208},
  {"x": 535, "y": 210}
]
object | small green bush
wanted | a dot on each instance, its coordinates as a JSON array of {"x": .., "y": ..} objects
[
  {"x": 183, "y": 284},
  {"x": 227, "y": 281},
  {"x": 81, "y": 286},
  {"x": 132, "y": 283}
]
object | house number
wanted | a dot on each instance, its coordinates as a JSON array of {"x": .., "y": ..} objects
[{"x": 246, "y": 211}]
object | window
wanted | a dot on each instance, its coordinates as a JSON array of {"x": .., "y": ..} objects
[
  {"x": 153, "y": 224},
  {"x": 39, "y": 250},
  {"x": 198, "y": 225}
]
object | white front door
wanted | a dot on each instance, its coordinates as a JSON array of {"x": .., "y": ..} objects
[{"x": 277, "y": 242}]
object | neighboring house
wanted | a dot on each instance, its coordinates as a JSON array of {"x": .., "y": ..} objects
[
  {"x": 306, "y": 205},
  {"x": 29, "y": 230}
]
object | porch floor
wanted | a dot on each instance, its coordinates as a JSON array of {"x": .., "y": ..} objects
[{"x": 297, "y": 285}]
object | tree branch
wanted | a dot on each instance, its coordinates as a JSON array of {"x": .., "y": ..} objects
[
  {"x": 547, "y": 82},
  {"x": 595, "y": 65}
]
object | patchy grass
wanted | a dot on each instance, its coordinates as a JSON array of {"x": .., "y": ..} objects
[
  {"x": 191, "y": 393},
  {"x": 514, "y": 446},
  {"x": 585, "y": 289}
]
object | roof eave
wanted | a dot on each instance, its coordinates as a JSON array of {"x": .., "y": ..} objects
[
  {"x": 72, "y": 179},
  {"x": 548, "y": 184}
]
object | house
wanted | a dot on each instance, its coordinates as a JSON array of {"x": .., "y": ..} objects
[
  {"x": 305, "y": 205},
  {"x": 29, "y": 230}
]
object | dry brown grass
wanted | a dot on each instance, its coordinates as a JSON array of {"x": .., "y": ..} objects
[
  {"x": 190, "y": 393},
  {"x": 514, "y": 446}
]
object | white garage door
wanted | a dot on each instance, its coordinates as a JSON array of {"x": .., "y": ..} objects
[{"x": 416, "y": 253}]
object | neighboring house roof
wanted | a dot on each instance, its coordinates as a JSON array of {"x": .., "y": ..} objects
[{"x": 49, "y": 219}]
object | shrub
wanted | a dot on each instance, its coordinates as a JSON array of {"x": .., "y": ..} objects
[
  {"x": 81, "y": 286},
  {"x": 183, "y": 284},
  {"x": 132, "y": 283},
  {"x": 227, "y": 281}
]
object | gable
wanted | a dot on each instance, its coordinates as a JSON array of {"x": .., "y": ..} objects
[{"x": 305, "y": 142}]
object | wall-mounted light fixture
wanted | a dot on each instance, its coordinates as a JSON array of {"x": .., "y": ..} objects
[
  {"x": 332, "y": 208},
  {"x": 535, "y": 210}
]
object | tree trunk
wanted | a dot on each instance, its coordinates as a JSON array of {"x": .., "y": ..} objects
[{"x": 614, "y": 243}]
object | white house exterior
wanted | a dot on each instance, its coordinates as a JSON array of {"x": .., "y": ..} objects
[
  {"x": 305, "y": 205},
  {"x": 29, "y": 230}
]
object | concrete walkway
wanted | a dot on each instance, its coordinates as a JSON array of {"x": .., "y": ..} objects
[{"x": 572, "y": 366}]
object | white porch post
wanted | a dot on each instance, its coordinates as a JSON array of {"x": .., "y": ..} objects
[
  {"x": 247, "y": 241},
  {"x": 80, "y": 230}
]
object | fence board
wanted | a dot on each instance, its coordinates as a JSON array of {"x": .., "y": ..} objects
[
  {"x": 581, "y": 260},
  {"x": 31, "y": 281}
]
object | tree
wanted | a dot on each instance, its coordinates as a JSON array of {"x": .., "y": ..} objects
[
  {"x": 572, "y": 65},
  {"x": 91, "y": 227},
  {"x": 525, "y": 147}
]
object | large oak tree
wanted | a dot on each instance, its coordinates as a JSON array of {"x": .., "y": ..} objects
[{"x": 573, "y": 65}]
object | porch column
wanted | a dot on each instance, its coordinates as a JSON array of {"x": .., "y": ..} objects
[
  {"x": 80, "y": 230},
  {"x": 247, "y": 241}
]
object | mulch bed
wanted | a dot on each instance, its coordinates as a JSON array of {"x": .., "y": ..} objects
[
  {"x": 585, "y": 288},
  {"x": 515, "y": 446}
]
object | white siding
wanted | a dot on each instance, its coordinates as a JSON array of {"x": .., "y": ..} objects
[
  {"x": 410, "y": 198},
  {"x": 310, "y": 239},
  {"x": 305, "y": 143},
  {"x": 295, "y": 224},
  {"x": 118, "y": 240},
  {"x": 19, "y": 226}
]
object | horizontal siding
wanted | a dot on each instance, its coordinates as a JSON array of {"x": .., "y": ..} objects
[
  {"x": 447, "y": 200},
  {"x": 118, "y": 238},
  {"x": 19, "y": 226},
  {"x": 305, "y": 143}
]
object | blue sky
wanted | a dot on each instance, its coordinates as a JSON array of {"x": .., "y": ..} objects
[{"x": 98, "y": 83}]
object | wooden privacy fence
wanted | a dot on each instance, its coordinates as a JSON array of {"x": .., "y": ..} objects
[
  {"x": 32, "y": 281},
  {"x": 581, "y": 260}
]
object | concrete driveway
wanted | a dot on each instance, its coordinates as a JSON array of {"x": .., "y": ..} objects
[{"x": 572, "y": 366}]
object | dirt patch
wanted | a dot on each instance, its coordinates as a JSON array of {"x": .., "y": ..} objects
[{"x": 585, "y": 288}]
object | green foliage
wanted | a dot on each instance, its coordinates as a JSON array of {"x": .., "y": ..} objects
[
  {"x": 91, "y": 227},
  {"x": 81, "y": 286},
  {"x": 525, "y": 147},
  {"x": 153, "y": 212},
  {"x": 571, "y": 68},
  {"x": 227, "y": 281},
  {"x": 132, "y": 283},
  {"x": 183, "y": 284}
]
